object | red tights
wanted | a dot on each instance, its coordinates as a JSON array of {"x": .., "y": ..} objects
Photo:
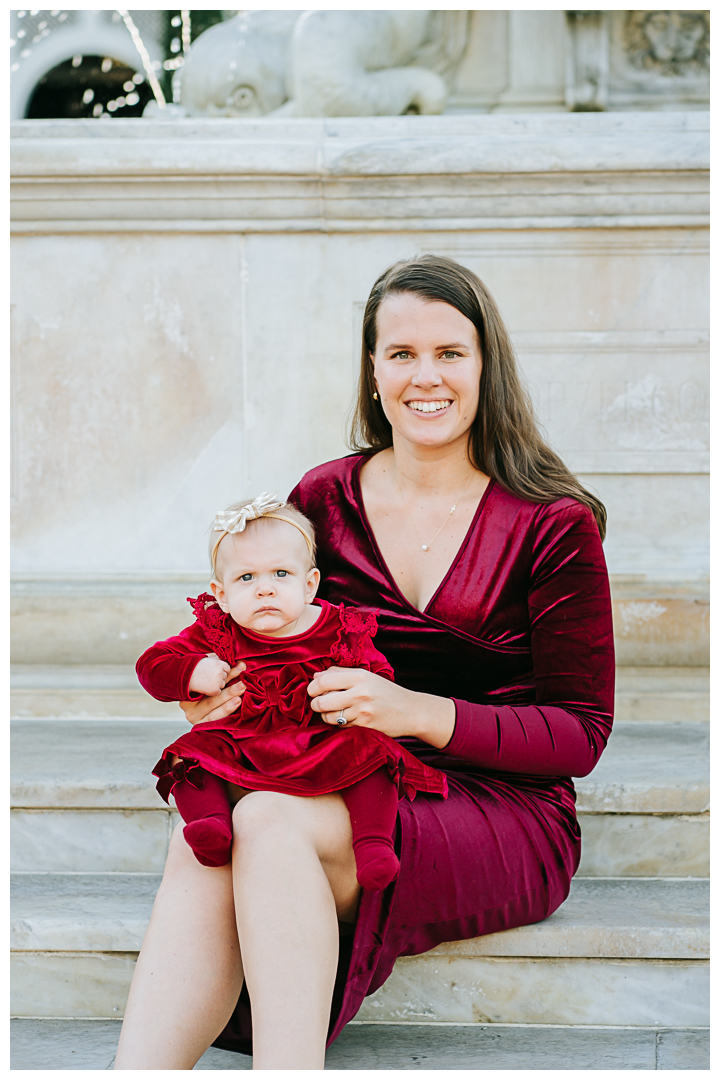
[
  {"x": 371, "y": 802},
  {"x": 206, "y": 811}
]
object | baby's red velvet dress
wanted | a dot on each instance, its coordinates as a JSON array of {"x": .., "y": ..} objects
[{"x": 275, "y": 742}]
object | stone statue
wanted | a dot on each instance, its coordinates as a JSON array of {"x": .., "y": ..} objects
[
  {"x": 322, "y": 63},
  {"x": 238, "y": 67}
]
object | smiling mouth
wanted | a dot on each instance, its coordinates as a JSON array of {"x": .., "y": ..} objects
[{"x": 429, "y": 406}]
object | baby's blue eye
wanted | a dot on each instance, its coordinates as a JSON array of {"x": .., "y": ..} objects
[
  {"x": 282, "y": 573},
  {"x": 246, "y": 577}
]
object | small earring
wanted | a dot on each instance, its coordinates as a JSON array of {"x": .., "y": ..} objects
[{"x": 375, "y": 395}]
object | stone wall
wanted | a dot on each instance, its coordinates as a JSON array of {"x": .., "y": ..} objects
[
  {"x": 583, "y": 60},
  {"x": 187, "y": 300}
]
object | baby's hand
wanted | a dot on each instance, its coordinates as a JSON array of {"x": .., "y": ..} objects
[{"x": 210, "y": 675}]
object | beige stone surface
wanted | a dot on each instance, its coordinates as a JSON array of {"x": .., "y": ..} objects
[
  {"x": 453, "y": 983},
  {"x": 662, "y": 631},
  {"x": 197, "y": 248},
  {"x": 83, "y": 620},
  {"x": 95, "y": 460},
  {"x": 88, "y": 703},
  {"x": 498, "y": 990},
  {"x": 640, "y": 810},
  {"x": 614, "y": 845},
  {"x": 646, "y": 768},
  {"x": 651, "y": 768},
  {"x": 74, "y": 935},
  {"x": 81, "y": 912},
  {"x": 642, "y": 694},
  {"x": 658, "y": 522},
  {"x": 652, "y": 694},
  {"x": 351, "y": 146},
  {"x": 609, "y": 918},
  {"x": 70, "y": 983},
  {"x": 89, "y": 840},
  {"x": 98, "y": 764},
  {"x": 89, "y": 690},
  {"x": 645, "y": 845},
  {"x": 514, "y": 59},
  {"x": 436, "y": 990},
  {"x": 77, "y": 622},
  {"x": 90, "y": 1044}
]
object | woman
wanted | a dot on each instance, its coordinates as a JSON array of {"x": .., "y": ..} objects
[{"x": 483, "y": 556}]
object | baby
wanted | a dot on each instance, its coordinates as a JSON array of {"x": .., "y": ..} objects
[{"x": 263, "y": 611}]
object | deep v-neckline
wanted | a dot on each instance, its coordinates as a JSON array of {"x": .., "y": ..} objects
[{"x": 360, "y": 501}]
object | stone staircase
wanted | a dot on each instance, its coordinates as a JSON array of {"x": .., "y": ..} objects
[{"x": 617, "y": 978}]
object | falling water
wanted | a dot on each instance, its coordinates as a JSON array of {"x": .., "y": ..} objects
[
  {"x": 31, "y": 27},
  {"x": 144, "y": 56},
  {"x": 185, "y": 16}
]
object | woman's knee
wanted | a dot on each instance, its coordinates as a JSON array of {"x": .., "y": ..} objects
[
  {"x": 261, "y": 812},
  {"x": 183, "y": 872}
]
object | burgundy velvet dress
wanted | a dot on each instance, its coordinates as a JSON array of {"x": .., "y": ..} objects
[
  {"x": 274, "y": 741},
  {"x": 519, "y": 634}
]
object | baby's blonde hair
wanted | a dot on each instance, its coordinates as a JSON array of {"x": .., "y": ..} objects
[{"x": 263, "y": 507}]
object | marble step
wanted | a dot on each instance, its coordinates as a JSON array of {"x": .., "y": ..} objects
[
  {"x": 643, "y": 694},
  {"x": 617, "y": 952},
  {"x": 111, "y": 618},
  {"x": 82, "y": 690},
  {"x": 672, "y": 694},
  {"x": 90, "y": 1044},
  {"x": 87, "y": 801}
]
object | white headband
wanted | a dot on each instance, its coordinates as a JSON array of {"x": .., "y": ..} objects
[{"x": 235, "y": 521}]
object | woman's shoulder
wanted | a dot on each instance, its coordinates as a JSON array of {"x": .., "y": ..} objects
[
  {"x": 542, "y": 524},
  {"x": 534, "y": 512},
  {"x": 326, "y": 484}
]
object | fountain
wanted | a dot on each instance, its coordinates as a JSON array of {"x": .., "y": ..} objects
[
  {"x": 187, "y": 299},
  {"x": 185, "y": 283}
]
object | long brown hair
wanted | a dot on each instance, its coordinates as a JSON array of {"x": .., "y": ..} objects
[{"x": 504, "y": 441}]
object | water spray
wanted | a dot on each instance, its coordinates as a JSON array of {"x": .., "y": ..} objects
[
  {"x": 185, "y": 16},
  {"x": 145, "y": 56}
]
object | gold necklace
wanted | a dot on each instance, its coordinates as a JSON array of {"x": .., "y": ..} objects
[{"x": 453, "y": 508}]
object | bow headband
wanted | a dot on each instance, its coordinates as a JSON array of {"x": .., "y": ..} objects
[{"x": 235, "y": 521}]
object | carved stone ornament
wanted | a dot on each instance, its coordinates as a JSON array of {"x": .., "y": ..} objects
[
  {"x": 668, "y": 42},
  {"x": 322, "y": 63}
]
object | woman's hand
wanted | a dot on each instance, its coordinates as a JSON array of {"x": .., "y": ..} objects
[
  {"x": 368, "y": 700},
  {"x": 218, "y": 705}
]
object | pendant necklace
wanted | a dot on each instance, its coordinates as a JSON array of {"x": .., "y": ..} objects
[{"x": 453, "y": 508}]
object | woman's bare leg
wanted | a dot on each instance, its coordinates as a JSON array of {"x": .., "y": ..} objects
[
  {"x": 189, "y": 975},
  {"x": 294, "y": 874}
]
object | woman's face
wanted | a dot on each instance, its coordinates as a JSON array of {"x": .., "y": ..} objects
[{"x": 427, "y": 370}]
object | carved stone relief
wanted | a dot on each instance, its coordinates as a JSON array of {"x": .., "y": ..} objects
[
  {"x": 668, "y": 42},
  {"x": 637, "y": 59}
]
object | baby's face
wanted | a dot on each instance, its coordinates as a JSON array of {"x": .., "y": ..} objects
[{"x": 264, "y": 579}]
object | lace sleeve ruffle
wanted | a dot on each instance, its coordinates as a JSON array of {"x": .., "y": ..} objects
[
  {"x": 354, "y": 641},
  {"x": 214, "y": 622}
]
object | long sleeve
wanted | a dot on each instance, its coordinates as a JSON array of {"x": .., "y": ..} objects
[
  {"x": 566, "y": 730},
  {"x": 165, "y": 669}
]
